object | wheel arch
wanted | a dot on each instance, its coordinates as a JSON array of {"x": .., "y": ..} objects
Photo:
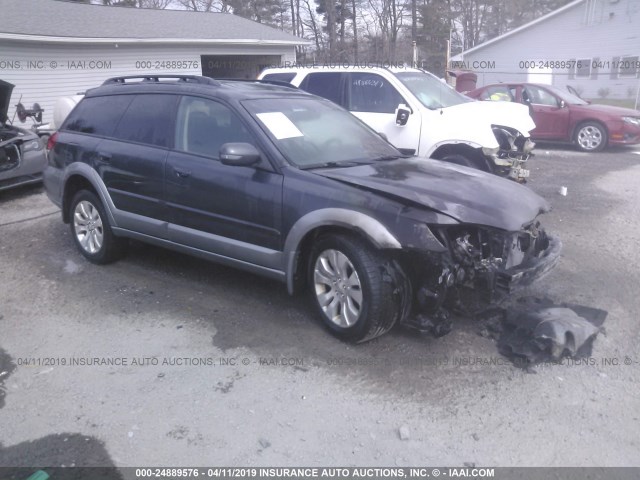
[
  {"x": 330, "y": 220},
  {"x": 580, "y": 123},
  {"x": 80, "y": 176},
  {"x": 473, "y": 153}
]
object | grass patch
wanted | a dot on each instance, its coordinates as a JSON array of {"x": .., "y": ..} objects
[{"x": 626, "y": 103}]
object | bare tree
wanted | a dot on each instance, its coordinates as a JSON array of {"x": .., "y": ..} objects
[
  {"x": 315, "y": 29},
  {"x": 389, "y": 15},
  {"x": 206, "y": 5},
  {"x": 354, "y": 24}
]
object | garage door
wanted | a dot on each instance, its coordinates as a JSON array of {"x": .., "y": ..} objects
[{"x": 237, "y": 66}]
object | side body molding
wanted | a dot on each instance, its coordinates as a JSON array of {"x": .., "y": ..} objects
[{"x": 375, "y": 231}]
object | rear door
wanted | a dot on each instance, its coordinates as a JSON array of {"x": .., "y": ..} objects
[
  {"x": 230, "y": 210},
  {"x": 131, "y": 162}
]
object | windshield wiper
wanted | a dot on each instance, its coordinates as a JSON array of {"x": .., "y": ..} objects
[
  {"x": 346, "y": 163},
  {"x": 389, "y": 157}
]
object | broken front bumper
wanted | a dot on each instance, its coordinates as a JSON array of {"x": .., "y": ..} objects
[{"x": 522, "y": 275}]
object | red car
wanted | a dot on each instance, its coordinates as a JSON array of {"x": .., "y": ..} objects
[{"x": 561, "y": 116}]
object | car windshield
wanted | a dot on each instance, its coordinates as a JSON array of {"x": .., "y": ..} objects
[
  {"x": 566, "y": 96},
  {"x": 431, "y": 92},
  {"x": 313, "y": 132}
]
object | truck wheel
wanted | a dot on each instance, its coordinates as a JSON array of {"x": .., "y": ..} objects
[
  {"x": 591, "y": 137},
  {"x": 349, "y": 288},
  {"x": 91, "y": 230}
]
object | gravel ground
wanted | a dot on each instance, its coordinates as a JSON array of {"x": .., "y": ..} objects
[{"x": 273, "y": 395}]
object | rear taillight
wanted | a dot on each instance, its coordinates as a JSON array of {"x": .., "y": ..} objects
[{"x": 52, "y": 141}]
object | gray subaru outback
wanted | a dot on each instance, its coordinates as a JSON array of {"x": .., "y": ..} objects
[{"x": 288, "y": 185}]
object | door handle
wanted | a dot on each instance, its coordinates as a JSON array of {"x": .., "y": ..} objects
[
  {"x": 181, "y": 173},
  {"x": 104, "y": 157}
]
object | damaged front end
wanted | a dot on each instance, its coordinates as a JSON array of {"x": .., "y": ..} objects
[
  {"x": 22, "y": 154},
  {"x": 480, "y": 267},
  {"x": 510, "y": 158}
]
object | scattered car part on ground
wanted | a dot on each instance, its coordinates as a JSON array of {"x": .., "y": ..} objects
[
  {"x": 536, "y": 330},
  {"x": 563, "y": 116},
  {"x": 22, "y": 154},
  {"x": 289, "y": 185},
  {"x": 420, "y": 114}
]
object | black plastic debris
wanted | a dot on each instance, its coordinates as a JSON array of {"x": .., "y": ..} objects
[
  {"x": 439, "y": 324},
  {"x": 537, "y": 330}
]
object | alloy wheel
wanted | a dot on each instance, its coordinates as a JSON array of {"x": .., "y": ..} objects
[
  {"x": 88, "y": 227},
  {"x": 337, "y": 288}
]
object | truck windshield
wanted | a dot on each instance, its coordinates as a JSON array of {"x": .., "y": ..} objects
[
  {"x": 313, "y": 132},
  {"x": 432, "y": 92}
]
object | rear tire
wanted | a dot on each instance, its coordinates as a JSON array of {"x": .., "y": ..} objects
[
  {"x": 91, "y": 230},
  {"x": 349, "y": 288}
]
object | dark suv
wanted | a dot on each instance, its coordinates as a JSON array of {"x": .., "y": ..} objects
[{"x": 288, "y": 185}]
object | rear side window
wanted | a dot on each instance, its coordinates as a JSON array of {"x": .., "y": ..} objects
[
  {"x": 369, "y": 92},
  {"x": 324, "y": 84},
  {"x": 280, "y": 77},
  {"x": 97, "y": 115},
  {"x": 149, "y": 120}
]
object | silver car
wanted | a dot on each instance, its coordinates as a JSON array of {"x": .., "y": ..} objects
[{"x": 22, "y": 154}]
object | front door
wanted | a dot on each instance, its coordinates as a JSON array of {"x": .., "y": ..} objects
[
  {"x": 219, "y": 208},
  {"x": 372, "y": 99},
  {"x": 551, "y": 119}
]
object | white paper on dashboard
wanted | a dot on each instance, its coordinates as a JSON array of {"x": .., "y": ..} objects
[{"x": 279, "y": 125}]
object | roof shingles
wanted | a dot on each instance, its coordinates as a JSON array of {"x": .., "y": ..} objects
[{"x": 55, "y": 18}]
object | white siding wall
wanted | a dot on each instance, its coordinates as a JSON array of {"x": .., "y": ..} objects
[
  {"x": 62, "y": 70},
  {"x": 567, "y": 36}
]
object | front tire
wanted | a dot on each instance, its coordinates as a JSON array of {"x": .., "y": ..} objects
[
  {"x": 350, "y": 291},
  {"x": 591, "y": 137},
  {"x": 91, "y": 230}
]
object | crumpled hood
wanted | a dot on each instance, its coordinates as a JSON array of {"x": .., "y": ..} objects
[
  {"x": 507, "y": 114},
  {"x": 468, "y": 195},
  {"x": 5, "y": 99}
]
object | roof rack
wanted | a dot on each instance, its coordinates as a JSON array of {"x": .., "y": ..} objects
[
  {"x": 157, "y": 78},
  {"x": 268, "y": 82}
]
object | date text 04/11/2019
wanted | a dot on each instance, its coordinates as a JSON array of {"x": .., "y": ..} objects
[{"x": 313, "y": 472}]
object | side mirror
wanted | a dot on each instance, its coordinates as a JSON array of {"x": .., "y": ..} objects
[
  {"x": 239, "y": 154},
  {"x": 562, "y": 104},
  {"x": 402, "y": 115},
  {"x": 384, "y": 136}
]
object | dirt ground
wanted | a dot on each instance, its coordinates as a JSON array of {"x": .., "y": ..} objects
[{"x": 220, "y": 367}]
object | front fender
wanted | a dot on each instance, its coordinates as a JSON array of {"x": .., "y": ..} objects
[{"x": 368, "y": 226}]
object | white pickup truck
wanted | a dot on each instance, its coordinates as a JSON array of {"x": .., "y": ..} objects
[{"x": 421, "y": 115}]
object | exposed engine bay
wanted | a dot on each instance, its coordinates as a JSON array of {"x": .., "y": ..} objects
[
  {"x": 10, "y": 151},
  {"x": 481, "y": 268},
  {"x": 514, "y": 151},
  {"x": 22, "y": 152}
]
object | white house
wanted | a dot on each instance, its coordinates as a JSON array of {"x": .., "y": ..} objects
[
  {"x": 591, "y": 45},
  {"x": 53, "y": 48}
]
